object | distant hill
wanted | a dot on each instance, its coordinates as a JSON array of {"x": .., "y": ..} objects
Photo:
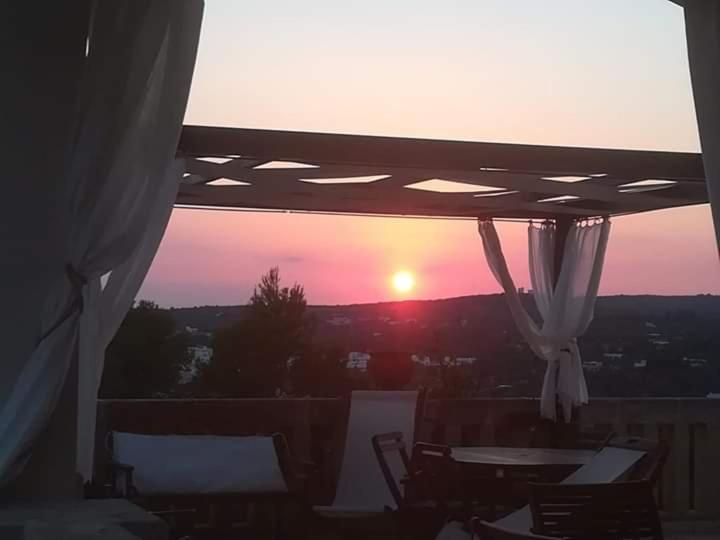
[{"x": 457, "y": 322}]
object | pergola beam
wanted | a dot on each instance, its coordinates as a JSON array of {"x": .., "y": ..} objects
[
  {"x": 436, "y": 154},
  {"x": 476, "y": 179}
]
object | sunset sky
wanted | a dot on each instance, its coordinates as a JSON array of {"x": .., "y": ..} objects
[{"x": 604, "y": 73}]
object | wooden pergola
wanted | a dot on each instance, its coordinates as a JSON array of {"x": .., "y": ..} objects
[{"x": 352, "y": 174}]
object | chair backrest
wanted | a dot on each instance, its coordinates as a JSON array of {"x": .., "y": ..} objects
[
  {"x": 436, "y": 473},
  {"x": 613, "y": 511},
  {"x": 491, "y": 531},
  {"x": 200, "y": 464},
  {"x": 361, "y": 484},
  {"x": 384, "y": 445}
]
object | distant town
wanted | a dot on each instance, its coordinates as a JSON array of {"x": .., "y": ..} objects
[{"x": 468, "y": 347}]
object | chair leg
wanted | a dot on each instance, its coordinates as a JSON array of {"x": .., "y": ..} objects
[{"x": 276, "y": 520}]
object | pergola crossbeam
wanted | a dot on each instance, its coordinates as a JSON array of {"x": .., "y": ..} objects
[{"x": 380, "y": 175}]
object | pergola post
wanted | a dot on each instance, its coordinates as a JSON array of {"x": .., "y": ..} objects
[{"x": 562, "y": 227}]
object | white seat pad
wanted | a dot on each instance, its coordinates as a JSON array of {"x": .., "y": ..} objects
[{"x": 200, "y": 464}]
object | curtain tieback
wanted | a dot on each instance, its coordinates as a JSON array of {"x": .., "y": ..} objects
[{"x": 77, "y": 281}]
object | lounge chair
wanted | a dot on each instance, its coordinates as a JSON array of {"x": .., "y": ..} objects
[
  {"x": 185, "y": 472},
  {"x": 362, "y": 492}
]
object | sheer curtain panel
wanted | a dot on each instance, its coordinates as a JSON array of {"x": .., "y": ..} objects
[
  {"x": 702, "y": 28},
  {"x": 129, "y": 106},
  {"x": 565, "y": 305}
]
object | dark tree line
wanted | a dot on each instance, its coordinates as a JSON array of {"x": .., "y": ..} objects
[
  {"x": 275, "y": 349},
  {"x": 146, "y": 356}
]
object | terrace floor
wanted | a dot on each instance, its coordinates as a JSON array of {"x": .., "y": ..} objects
[
  {"x": 687, "y": 490},
  {"x": 692, "y": 530}
]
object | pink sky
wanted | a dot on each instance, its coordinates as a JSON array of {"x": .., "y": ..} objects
[
  {"x": 213, "y": 257},
  {"x": 611, "y": 74}
]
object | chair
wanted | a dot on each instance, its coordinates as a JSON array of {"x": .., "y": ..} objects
[
  {"x": 384, "y": 444},
  {"x": 362, "y": 490},
  {"x": 491, "y": 531},
  {"x": 436, "y": 474},
  {"x": 417, "y": 510},
  {"x": 174, "y": 475},
  {"x": 612, "y": 511},
  {"x": 611, "y": 464},
  {"x": 460, "y": 493}
]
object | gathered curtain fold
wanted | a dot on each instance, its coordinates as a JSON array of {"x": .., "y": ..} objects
[
  {"x": 105, "y": 310},
  {"x": 566, "y": 307},
  {"x": 118, "y": 174},
  {"x": 702, "y": 29}
]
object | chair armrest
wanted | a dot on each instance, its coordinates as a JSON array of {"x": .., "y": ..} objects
[
  {"x": 116, "y": 470},
  {"x": 118, "y": 466}
]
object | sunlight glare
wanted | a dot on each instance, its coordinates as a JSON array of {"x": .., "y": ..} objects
[{"x": 403, "y": 281}]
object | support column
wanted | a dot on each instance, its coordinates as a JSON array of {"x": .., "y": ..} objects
[{"x": 562, "y": 227}]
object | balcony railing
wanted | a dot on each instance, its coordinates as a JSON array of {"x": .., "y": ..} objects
[{"x": 315, "y": 429}]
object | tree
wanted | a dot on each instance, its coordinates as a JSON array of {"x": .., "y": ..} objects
[
  {"x": 145, "y": 357},
  {"x": 250, "y": 358},
  {"x": 321, "y": 371}
]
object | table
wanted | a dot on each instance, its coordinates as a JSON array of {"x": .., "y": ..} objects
[
  {"x": 509, "y": 457},
  {"x": 498, "y": 476}
]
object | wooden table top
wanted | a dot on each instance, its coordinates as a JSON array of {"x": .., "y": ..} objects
[{"x": 520, "y": 457}]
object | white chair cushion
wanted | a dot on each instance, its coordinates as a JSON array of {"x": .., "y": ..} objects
[
  {"x": 200, "y": 464},
  {"x": 362, "y": 486}
]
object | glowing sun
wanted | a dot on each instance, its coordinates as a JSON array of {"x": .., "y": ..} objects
[{"x": 403, "y": 281}]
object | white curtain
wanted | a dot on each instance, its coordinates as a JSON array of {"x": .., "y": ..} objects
[
  {"x": 130, "y": 107},
  {"x": 702, "y": 28},
  {"x": 566, "y": 308},
  {"x": 106, "y": 308}
]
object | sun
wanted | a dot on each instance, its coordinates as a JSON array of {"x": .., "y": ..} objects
[{"x": 403, "y": 281}]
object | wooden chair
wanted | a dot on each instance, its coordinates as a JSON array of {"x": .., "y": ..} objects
[
  {"x": 418, "y": 512},
  {"x": 386, "y": 443},
  {"x": 460, "y": 494},
  {"x": 612, "y": 511},
  {"x": 435, "y": 473}
]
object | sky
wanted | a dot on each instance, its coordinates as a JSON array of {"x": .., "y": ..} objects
[{"x": 601, "y": 73}]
